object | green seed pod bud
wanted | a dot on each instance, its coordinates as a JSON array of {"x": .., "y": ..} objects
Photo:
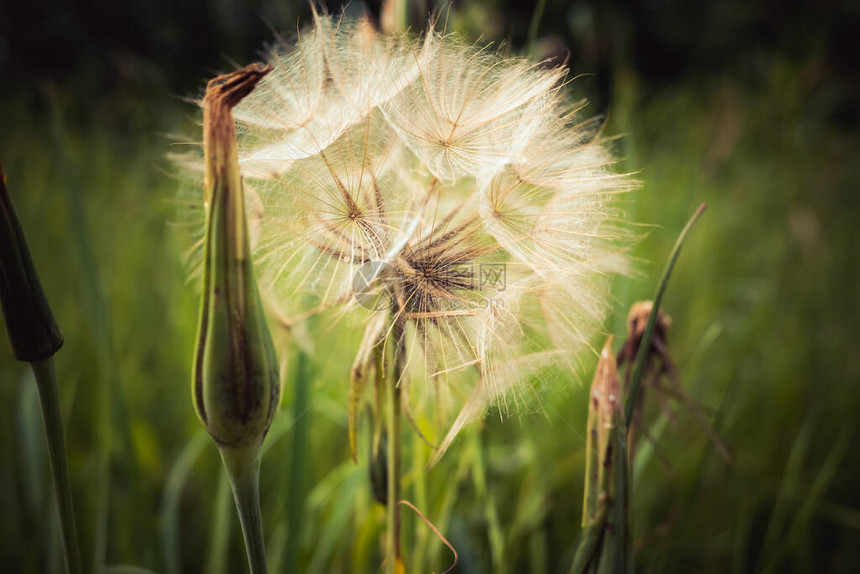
[
  {"x": 236, "y": 381},
  {"x": 604, "y": 416},
  {"x": 605, "y": 545},
  {"x": 32, "y": 330}
]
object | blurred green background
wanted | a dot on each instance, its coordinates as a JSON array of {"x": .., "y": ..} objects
[{"x": 749, "y": 106}]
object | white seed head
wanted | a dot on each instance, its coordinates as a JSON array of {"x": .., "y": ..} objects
[{"x": 491, "y": 212}]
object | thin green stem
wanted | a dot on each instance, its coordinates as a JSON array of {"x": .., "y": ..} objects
[
  {"x": 396, "y": 12},
  {"x": 419, "y": 548},
  {"x": 645, "y": 344},
  {"x": 220, "y": 530},
  {"x": 395, "y": 455},
  {"x": 297, "y": 471},
  {"x": 243, "y": 469},
  {"x": 537, "y": 15},
  {"x": 46, "y": 382}
]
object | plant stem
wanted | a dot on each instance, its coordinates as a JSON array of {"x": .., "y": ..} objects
[
  {"x": 393, "y": 415},
  {"x": 46, "y": 383},
  {"x": 297, "y": 471},
  {"x": 394, "y": 16},
  {"x": 533, "y": 27},
  {"x": 243, "y": 469},
  {"x": 645, "y": 344}
]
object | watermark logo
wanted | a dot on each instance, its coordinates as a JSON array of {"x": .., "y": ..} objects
[{"x": 493, "y": 276}]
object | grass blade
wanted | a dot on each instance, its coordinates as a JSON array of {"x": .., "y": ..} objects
[
  {"x": 169, "y": 521},
  {"x": 642, "y": 355}
]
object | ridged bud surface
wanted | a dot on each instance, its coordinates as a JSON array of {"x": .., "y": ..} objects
[{"x": 236, "y": 379}]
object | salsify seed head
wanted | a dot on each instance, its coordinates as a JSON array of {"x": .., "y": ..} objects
[{"x": 453, "y": 181}]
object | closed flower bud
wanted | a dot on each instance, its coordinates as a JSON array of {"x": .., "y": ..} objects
[
  {"x": 605, "y": 545},
  {"x": 602, "y": 443},
  {"x": 236, "y": 381},
  {"x": 637, "y": 319},
  {"x": 32, "y": 330}
]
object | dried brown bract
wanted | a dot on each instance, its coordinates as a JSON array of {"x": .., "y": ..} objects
[{"x": 661, "y": 378}]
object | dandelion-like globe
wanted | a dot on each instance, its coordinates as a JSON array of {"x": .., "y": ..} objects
[{"x": 456, "y": 177}]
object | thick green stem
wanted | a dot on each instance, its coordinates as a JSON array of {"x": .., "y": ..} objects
[
  {"x": 394, "y": 407},
  {"x": 243, "y": 469},
  {"x": 46, "y": 382}
]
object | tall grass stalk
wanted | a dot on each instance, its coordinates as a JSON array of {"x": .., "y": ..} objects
[
  {"x": 46, "y": 383},
  {"x": 296, "y": 458},
  {"x": 35, "y": 338},
  {"x": 642, "y": 355},
  {"x": 394, "y": 410},
  {"x": 106, "y": 387},
  {"x": 169, "y": 515},
  {"x": 219, "y": 534},
  {"x": 534, "y": 26},
  {"x": 606, "y": 544},
  {"x": 419, "y": 495}
]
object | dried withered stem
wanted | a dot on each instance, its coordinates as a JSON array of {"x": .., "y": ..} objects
[
  {"x": 658, "y": 364},
  {"x": 637, "y": 318},
  {"x": 660, "y": 374}
]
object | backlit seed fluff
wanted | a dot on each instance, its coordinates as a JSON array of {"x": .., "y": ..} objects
[{"x": 465, "y": 173}]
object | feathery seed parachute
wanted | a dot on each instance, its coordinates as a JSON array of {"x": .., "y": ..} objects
[{"x": 440, "y": 187}]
